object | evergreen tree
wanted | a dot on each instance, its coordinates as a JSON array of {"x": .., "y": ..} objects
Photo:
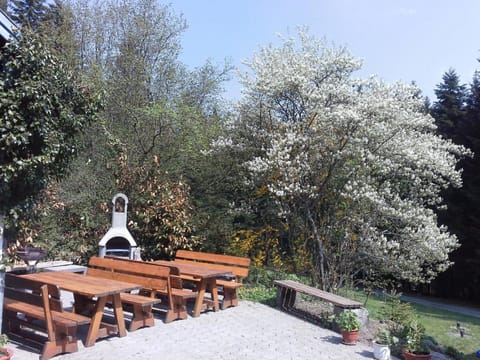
[
  {"x": 449, "y": 109},
  {"x": 29, "y": 13},
  {"x": 57, "y": 28},
  {"x": 462, "y": 216}
]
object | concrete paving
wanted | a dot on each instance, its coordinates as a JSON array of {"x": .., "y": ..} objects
[{"x": 248, "y": 331}]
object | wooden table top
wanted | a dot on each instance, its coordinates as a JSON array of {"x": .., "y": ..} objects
[
  {"x": 81, "y": 284},
  {"x": 194, "y": 270}
]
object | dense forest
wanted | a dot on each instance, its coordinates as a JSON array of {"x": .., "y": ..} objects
[
  {"x": 457, "y": 115},
  {"x": 313, "y": 172}
]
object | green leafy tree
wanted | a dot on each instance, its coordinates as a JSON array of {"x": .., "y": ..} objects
[
  {"x": 154, "y": 107},
  {"x": 43, "y": 108}
]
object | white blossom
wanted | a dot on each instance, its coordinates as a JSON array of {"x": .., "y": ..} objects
[{"x": 368, "y": 143}]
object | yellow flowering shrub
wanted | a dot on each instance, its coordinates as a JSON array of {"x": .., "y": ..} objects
[{"x": 262, "y": 246}]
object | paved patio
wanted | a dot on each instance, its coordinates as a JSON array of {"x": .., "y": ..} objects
[{"x": 249, "y": 331}]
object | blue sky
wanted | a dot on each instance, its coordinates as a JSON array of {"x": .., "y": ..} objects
[{"x": 402, "y": 40}]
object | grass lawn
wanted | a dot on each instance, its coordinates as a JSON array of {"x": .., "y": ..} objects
[{"x": 441, "y": 326}]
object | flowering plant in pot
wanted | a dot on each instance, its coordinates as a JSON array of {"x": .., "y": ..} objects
[
  {"x": 349, "y": 326},
  {"x": 5, "y": 353},
  {"x": 414, "y": 342}
]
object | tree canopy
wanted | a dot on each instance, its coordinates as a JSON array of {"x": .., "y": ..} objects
[
  {"x": 358, "y": 160},
  {"x": 43, "y": 108}
]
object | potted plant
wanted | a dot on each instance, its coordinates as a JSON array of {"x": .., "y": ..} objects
[
  {"x": 5, "y": 353},
  {"x": 381, "y": 344},
  {"x": 349, "y": 326},
  {"x": 414, "y": 342}
]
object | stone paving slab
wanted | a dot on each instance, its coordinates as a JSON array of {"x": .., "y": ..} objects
[{"x": 249, "y": 331}]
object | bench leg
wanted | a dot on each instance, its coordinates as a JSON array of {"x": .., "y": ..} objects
[
  {"x": 178, "y": 310},
  {"x": 65, "y": 342},
  {"x": 142, "y": 316},
  {"x": 285, "y": 298},
  {"x": 230, "y": 297}
]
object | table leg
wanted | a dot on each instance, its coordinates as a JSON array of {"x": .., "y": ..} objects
[
  {"x": 96, "y": 321},
  {"x": 202, "y": 286},
  {"x": 212, "y": 285},
  {"x": 117, "y": 307}
]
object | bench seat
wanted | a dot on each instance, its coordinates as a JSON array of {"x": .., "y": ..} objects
[
  {"x": 287, "y": 289},
  {"x": 67, "y": 319}
]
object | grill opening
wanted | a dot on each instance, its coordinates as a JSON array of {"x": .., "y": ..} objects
[{"x": 118, "y": 246}]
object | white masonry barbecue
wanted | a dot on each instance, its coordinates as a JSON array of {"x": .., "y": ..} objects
[{"x": 118, "y": 241}]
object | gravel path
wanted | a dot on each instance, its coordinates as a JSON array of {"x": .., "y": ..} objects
[
  {"x": 469, "y": 311},
  {"x": 249, "y": 331}
]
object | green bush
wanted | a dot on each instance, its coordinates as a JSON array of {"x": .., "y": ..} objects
[{"x": 258, "y": 293}]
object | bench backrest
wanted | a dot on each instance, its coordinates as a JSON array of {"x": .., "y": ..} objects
[
  {"x": 30, "y": 291},
  {"x": 237, "y": 265},
  {"x": 149, "y": 276},
  {"x": 175, "y": 279}
]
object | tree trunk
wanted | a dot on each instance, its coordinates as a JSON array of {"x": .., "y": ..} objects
[{"x": 321, "y": 259}]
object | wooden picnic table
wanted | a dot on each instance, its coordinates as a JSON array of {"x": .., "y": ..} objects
[
  {"x": 206, "y": 278},
  {"x": 90, "y": 287}
]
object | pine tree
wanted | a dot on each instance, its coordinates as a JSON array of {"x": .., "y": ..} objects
[
  {"x": 29, "y": 13},
  {"x": 449, "y": 109},
  {"x": 466, "y": 256},
  {"x": 462, "y": 216}
]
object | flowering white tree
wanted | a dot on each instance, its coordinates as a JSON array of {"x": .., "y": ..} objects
[{"x": 357, "y": 159}]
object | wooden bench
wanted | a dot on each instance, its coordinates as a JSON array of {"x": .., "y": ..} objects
[
  {"x": 236, "y": 265},
  {"x": 287, "y": 292},
  {"x": 34, "y": 311},
  {"x": 157, "y": 281}
]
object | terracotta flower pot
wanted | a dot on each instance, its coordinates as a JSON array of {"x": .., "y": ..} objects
[
  {"x": 350, "y": 337},
  {"x": 8, "y": 351},
  {"x": 411, "y": 356}
]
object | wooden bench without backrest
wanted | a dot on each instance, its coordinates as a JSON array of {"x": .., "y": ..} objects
[
  {"x": 36, "y": 306},
  {"x": 287, "y": 291},
  {"x": 237, "y": 265},
  {"x": 155, "y": 279}
]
